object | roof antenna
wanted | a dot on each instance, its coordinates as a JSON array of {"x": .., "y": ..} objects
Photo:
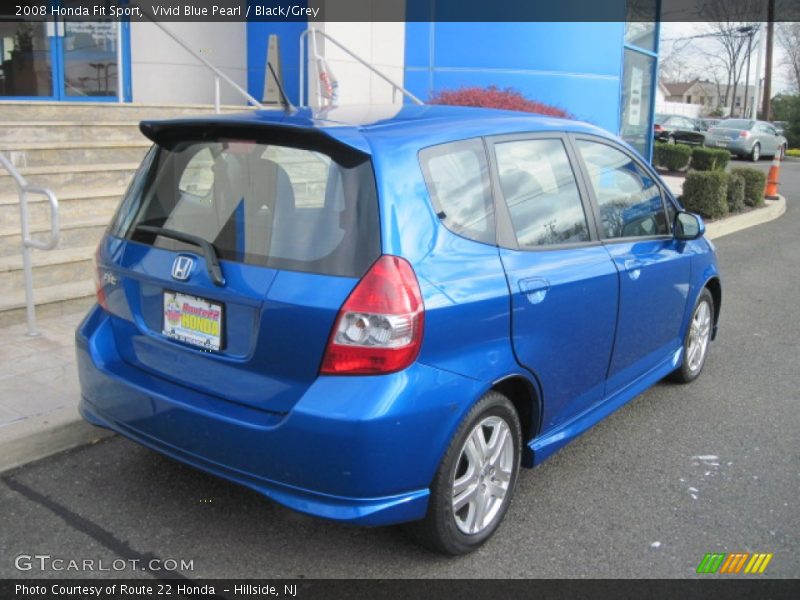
[
  {"x": 287, "y": 105},
  {"x": 273, "y": 79}
]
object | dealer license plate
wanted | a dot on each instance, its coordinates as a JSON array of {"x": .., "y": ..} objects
[{"x": 193, "y": 320}]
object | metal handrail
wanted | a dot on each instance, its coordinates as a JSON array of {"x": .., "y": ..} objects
[
  {"x": 314, "y": 31},
  {"x": 217, "y": 73},
  {"x": 27, "y": 242}
]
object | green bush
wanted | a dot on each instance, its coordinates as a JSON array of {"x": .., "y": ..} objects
[
  {"x": 705, "y": 193},
  {"x": 735, "y": 193},
  {"x": 710, "y": 159},
  {"x": 793, "y": 152},
  {"x": 673, "y": 157},
  {"x": 754, "y": 182}
]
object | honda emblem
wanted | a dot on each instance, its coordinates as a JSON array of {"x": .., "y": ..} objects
[{"x": 182, "y": 267}]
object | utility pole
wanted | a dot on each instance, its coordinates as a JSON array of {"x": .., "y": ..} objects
[
  {"x": 750, "y": 31},
  {"x": 765, "y": 107}
]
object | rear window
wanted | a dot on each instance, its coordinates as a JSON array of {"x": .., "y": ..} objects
[
  {"x": 259, "y": 204},
  {"x": 736, "y": 124}
]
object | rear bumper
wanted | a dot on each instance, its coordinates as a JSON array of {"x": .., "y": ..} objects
[{"x": 356, "y": 449}]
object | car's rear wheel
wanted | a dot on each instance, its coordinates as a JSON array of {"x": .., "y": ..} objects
[
  {"x": 473, "y": 487},
  {"x": 697, "y": 340},
  {"x": 671, "y": 139},
  {"x": 755, "y": 153}
]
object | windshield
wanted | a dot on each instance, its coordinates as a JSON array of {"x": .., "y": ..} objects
[
  {"x": 259, "y": 204},
  {"x": 736, "y": 124}
]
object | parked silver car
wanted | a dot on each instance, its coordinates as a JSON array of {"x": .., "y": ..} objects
[{"x": 747, "y": 138}]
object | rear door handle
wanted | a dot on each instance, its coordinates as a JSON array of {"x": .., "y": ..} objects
[
  {"x": 633, "y": 268},
  {"x": 534, "y": 288}
]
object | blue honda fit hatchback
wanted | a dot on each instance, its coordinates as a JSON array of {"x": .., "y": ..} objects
[{"x": 379, "y": 319}]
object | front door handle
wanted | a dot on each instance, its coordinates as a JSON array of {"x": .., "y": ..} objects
[{"x": 534, "y": 288}]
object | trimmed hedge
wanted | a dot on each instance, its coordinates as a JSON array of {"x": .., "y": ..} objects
[
  {"x": 754, "y": 183},
  {"x": 710, "y": 159},
  {"x": 793, "y": 152},
  {"x": 674, "y": 157},
  {"x": 735, "y": 192},
  {"x": 705, "y": 193}
]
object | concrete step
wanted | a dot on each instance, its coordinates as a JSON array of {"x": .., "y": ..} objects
[
  {"x": 73, "y": 234},
  {"x": 74, "y": 204},
  {"x": 39, "y": 154},
  {"x": 50, "y": 268},
  {"x": 51, "y": 301},
  {"x": 68, "y": 131},
  {"x": 58, "y": 177},
  {"x": 103, "y": 111}
]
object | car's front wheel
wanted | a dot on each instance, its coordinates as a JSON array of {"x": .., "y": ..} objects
[
  {"x": 697, "y": 340},
  {"x": 473, "y": 487},
  {"x": 755, "y": 153}
]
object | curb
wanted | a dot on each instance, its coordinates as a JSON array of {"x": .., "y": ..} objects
[
  {"x": 44, "y": 435},
  {"x": 770, "y": 212}
]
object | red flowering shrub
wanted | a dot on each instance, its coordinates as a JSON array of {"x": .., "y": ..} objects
[{"x": 494, "y": 97}]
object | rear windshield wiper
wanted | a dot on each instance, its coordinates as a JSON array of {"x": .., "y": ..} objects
[{"x": 212, "y": 260}]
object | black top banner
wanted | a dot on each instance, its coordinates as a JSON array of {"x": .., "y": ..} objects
[{"x": 403, "y": 10}]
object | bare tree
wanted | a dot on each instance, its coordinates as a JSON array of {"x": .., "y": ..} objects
[
  {"x": 788, "y": 35},
  {"x": 732, "y": 39}
]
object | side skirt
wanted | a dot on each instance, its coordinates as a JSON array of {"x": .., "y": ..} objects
[{"x": 548, "y": 444}]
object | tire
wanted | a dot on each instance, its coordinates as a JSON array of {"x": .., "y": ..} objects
[
  {"x": 671, "y": 140},
  {"x": 454, "y": 530},
  {"x": 755, "y": 153},
  {"x": 782, "y": 152},
  {"x": 701, "y": 324}
]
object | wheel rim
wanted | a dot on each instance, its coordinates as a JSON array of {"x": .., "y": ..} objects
[
  {"x": 670, "y": 140},
  {"x": 482, "y": 475},
  {"x": 756, "y": 152},
  {"x": 699, "y": 335}
]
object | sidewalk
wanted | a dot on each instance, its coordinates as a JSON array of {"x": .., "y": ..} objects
[{"x": 39, "y": 392}]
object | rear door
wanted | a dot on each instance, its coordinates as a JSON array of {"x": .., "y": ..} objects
[
  {"x": 562, "y": 282},
  {"x": 294, "y": 227},
  {"x": 654, "y": 271}
]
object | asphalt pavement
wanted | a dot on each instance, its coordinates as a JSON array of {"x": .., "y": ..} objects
[{"x": 681, "y": 471}]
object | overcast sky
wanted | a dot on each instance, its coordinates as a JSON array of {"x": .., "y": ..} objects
[{"x": 697, "y": 61}]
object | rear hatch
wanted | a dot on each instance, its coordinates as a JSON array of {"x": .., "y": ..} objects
[{"x": 290, "y": 216}]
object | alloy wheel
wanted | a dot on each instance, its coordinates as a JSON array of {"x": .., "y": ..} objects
[
  {"x": 699, "y": 336},
  {"x": 482, "y": 475}
]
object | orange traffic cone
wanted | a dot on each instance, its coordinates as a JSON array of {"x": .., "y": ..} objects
[{"x": 771, "y": 191}]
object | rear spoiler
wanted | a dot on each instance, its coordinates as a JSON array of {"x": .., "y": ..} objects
[{"x": 168, "y": 133}]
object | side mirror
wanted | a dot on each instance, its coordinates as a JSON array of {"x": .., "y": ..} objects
[{"x": 688, "y": 226}]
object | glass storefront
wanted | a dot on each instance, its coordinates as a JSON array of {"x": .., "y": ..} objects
[
  {"x": 639, "y": 74},
  {"x": 59, "y": 59}
]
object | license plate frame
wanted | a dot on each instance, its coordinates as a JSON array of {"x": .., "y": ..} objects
[
  {"x": 173, "y": 325},
  {"x": 722, "y": 143}
]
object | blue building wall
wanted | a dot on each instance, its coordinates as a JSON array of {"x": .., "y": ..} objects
[{"x": 576, "y": 66}]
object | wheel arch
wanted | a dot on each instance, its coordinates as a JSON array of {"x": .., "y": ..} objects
[
  {"x": 524, "y": 394},
  {"x": 715, "y": 287}
]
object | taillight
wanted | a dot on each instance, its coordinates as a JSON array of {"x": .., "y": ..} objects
[
  {"x": 99, "y": 284},
  {"x": 379, "y": 327},
  {"x": 744, "y": 133},
  {"x": 658, "y": 127}
]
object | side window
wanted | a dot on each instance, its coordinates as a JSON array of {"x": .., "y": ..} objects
[
  {"x": 629, "y": 199},
  {"x": 541, "y": 193},
  {"x": 457, "y": 176}
]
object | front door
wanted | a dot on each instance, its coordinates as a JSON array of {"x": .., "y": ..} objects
[
  {"x": 61, "y": 58},
  {"x": 654, "y": 271},
  {"x": 562, "y": 281}
]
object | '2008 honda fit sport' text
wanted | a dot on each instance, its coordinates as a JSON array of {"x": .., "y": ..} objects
[{"x": 379, "y": 320}]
